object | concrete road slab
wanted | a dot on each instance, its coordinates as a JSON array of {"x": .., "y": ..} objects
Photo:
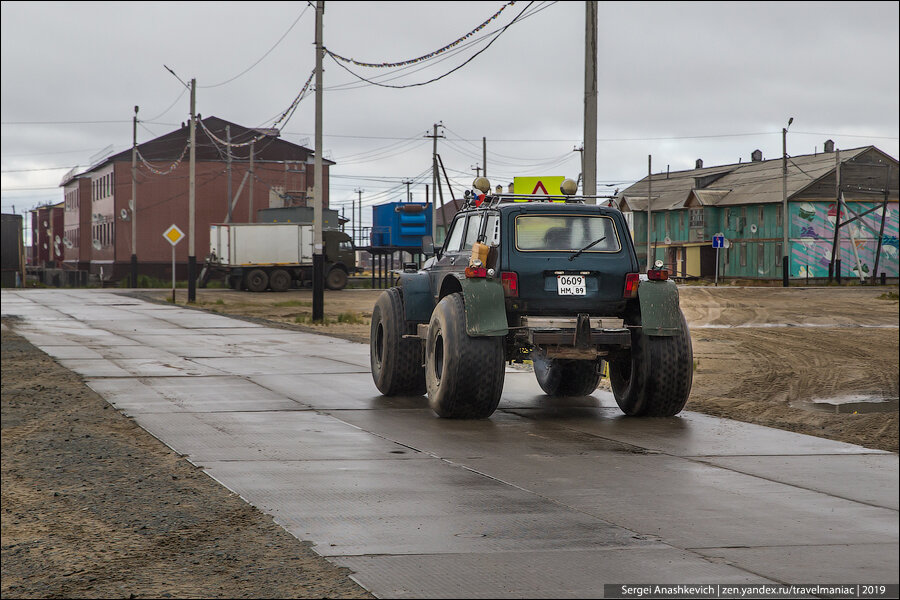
[
  {"x": 269, "y": 435},
  {"x": 689, "y": 504},
  {"x": 270, "y": 365},
  {"x": 139, "y": 367},
  {"x": 871, "y": 479},
  {"x": 691, "y": 434},
  {"x": 411, "y": 507},
  {"x": 828, "y": 564},
  {"x": 355, "y": 391},
  {"x": 200, "y": 394},
  {"x": 567, "y": 574}
]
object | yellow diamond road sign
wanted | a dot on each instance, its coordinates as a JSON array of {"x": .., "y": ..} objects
[{"x": 173, "y": 234}]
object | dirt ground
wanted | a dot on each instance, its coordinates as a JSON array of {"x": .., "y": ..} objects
[{"x": 95, "y": 507}]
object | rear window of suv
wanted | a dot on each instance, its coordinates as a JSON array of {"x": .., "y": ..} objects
[{"x": 566, "y": 233}]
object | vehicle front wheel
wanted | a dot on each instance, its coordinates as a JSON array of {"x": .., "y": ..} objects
[
  {"x": 336, "y": 279},
  {"x": 654, "y": 378},
  {"x": 396, "y": 362},
  {"x": 464, "y": 374}
]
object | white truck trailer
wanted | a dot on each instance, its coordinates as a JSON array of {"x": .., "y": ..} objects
[{"x": 275, "y": 256}]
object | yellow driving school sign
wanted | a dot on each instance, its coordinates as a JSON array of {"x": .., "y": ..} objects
[{"x": 538, "y": 186}]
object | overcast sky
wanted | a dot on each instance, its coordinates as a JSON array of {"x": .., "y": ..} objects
[{"x": 678, "y": 81}]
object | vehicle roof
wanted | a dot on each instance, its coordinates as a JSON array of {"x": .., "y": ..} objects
[{"x": 541, "y": 206}]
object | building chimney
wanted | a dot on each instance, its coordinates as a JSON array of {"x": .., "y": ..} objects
[
  {"x": 756, "y": 156},
  {"x": 829, "y": 146},
  {"x": 699, "y": 164}
]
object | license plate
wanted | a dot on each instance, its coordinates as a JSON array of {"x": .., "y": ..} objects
[{"x": 571, "y": 285}]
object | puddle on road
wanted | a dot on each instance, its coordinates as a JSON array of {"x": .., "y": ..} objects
[{"x": 857, "y": 403}]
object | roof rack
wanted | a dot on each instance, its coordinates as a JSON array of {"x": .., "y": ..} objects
[{"x": 491, "y": 200}]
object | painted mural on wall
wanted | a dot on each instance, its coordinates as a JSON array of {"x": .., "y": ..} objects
[{"x": 812, "y": 234}]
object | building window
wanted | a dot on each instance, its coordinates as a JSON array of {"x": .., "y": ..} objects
[
  {"x": 762, "y": 216},
  {"x": 743, "y": 254},
  {"x": 696, "y": 217},
  {"x": 760, "y": 255},
  {"x": 779, "y": 219},
  {"x": 727, "y": 218}
]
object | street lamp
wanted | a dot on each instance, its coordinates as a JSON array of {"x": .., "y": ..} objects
[{"x": 785, "y": 217}]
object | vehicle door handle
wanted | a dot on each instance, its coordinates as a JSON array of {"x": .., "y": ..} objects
[{"x": 452, "y": 260}]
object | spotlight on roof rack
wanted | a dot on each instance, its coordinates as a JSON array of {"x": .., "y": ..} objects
[
  {"x": 568, "y": 187},
  {"x": 482, "y": 185}
]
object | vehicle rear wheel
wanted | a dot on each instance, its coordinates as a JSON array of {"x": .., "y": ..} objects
[
  {"x": 565, "y": 377},
  {"x": 256, "y": 280},
  {"x": 654, "y": 378},
  {"x": 396, "y": 362},
  {"x": 280, "y": 280},
  {"x": 464, "y": 374},
  {"x": 336, "y": 279}
]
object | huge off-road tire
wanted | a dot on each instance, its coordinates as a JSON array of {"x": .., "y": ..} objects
[
  {"x": 336, "y": 279},
  {"x": 464, "y": 374},
  {"x": 280, "y": 280},
  {"x": 396, "y": 362},
  {"x": 654, "y": 378},
  {"x": 565, "y": 377},
  {"x": 256, "y": 280}
]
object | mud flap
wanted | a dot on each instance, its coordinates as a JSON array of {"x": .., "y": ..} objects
[
  {"x": 660, "y": 312},
  {"x": 485, "y": 307},
  {"x": 417, "y": 301}
]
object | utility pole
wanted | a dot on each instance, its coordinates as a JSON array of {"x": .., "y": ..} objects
[
  {"x": 484, "y": 154},
  {"x": 785, "y": 216},
  {"x": 228, "y": 163},
  {"x": 434, "y": 176},
  {"x": 252, "y": 152},
  {"x": 649, "y": 199},
  {"x": 192, "y": 257},
  {"x": 134, "y": 282},
  {"x": 357, "y": 222},
  {"x": 318, "y": 308},
  {"x": 477, "y": 169},
  {"x": 407, "y": 183},
  {"x": 590, "y": 103}
]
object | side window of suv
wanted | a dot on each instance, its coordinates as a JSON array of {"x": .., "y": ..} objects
[
  {"x": 455, "y": 237},
  {"x": 472, "y": 231}
]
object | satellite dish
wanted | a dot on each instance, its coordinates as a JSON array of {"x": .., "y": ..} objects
[
  {"x": 46, "y": 224},
  {"x": 96, "y": 244},
  {"x": 57, "y": 250},
  {"x": 45, "y": 246},
  {"x": 123, "y": 214},
  {"x": 753, "y": 228},
  {"x": 68, "y": 243},
  {"x": 57, "y": 239},
  {"x": 727, "y": 243},
  {"x": 668, "y": 241}
]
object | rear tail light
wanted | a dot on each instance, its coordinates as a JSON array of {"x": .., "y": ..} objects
[
  {"x": 476, "y": 272},
  {"x": 631, "y": 285},
  {"x": 510, "y": 281},
  {"x": 657, "y": 274}
]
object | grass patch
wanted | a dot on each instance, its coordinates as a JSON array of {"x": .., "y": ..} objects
[
  {"x": 288, "y": 303},
  {"x": 351, "y": 317},
  {"x": 890, "y": 296}
]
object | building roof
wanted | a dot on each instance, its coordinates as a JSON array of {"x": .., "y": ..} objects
[
  {"x": 757, "y": 182},
  {"x": 210, "y": 135}
]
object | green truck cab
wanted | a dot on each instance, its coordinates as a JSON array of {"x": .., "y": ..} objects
[{"x": 553, "y": 280}]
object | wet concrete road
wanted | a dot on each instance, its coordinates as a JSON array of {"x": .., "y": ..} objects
[{"x": 545, "y": 499}]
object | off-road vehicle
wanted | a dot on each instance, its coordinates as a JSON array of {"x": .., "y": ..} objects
[{"x": 551, "y": 279}]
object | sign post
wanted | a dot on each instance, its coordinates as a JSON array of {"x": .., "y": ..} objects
[
  {"x": 718, "y": 242},
  {"x": 173, "y": 235}
]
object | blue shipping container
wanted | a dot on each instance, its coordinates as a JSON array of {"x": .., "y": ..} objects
[{"x": 401, "y": 224}]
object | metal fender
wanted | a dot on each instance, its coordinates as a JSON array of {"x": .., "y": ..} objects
[
  {"x": 485, "y": 307},
  {"x": 417, "y": 301},
  {"x": 660, "y": 312}
]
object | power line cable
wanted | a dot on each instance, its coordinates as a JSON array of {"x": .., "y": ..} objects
[
  {"x": 297, "y": 20},
  {"x": 439, "y": 77}
]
